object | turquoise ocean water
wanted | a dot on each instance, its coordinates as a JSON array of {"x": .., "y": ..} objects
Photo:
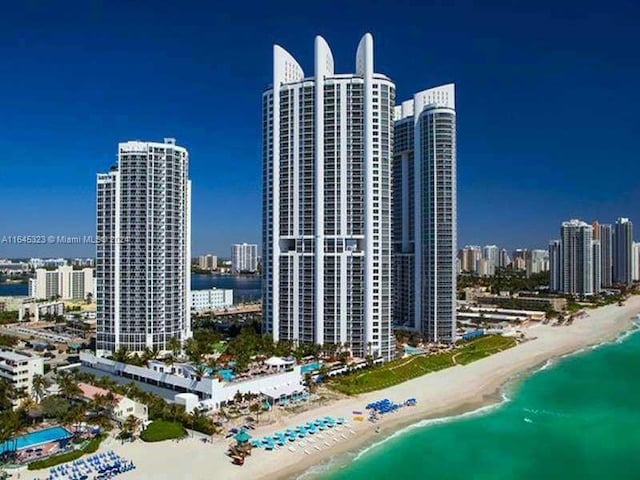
[{"x": 576, "y": 418}]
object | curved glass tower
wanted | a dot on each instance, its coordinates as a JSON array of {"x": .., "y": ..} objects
[
  {"x": 327, "y": 146},
  {"x": 425, "y": 232}
]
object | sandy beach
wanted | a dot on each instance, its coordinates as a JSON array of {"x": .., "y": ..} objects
[{"x": 448, "y": 392}]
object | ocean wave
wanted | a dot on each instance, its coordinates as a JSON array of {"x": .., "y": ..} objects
[
  {"x": 434, "y": 421},
  {"x": 317, "y": 470},
  {"x": 548, "y": 364}
]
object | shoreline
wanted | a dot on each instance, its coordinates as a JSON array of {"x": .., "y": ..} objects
[{"x": 455, "y": 391}]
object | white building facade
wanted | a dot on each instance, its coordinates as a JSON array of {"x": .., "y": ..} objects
[
  {"x": 143, "y": 263},
  {"x": 425, "y": 198},
  {"x": 327, "y": 147},
  {"x": 64, "y": 282},
  {"x": 19, "y": 369},
  {"x": 244, "y": 258},
  {"x": 212, "y": 299}
]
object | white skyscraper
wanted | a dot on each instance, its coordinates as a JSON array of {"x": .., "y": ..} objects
[
  {"x": 244, "y": 258},
  {"x": 576, "y": 258},
  {"x": 491, "y": 254},
  {"x": 425, "y": 212},
  {"x": 327, "y": 143},
  {"x": 622, "y": 244},
  {"x": 143, "y": 250}
]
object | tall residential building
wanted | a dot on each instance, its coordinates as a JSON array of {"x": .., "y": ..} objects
[
  {"x": 622, "y": 244},
  {"x": 327, "y": 146},
  {"x": 536, "y": 261},
  {"x": 470, "y": 257},
  {"x": 208, "y": 262},
  {"x": 596, "y": 229},
  {"x": 64, "y": 282},
  {"x": 635, "y": 262},
  {"x": 491, "y": 254},
  {"x": 576, "y": 257},
  {"x": 425, "y": 212},
  {"x": 143, "y": 265},
  {"x": 605, "y": 235},
  {"x": 244, "y": 258},
  {"x": 555, "y": 266},
  {"x": 597, "y": 266},
  {"x": 503, "y": 258}
]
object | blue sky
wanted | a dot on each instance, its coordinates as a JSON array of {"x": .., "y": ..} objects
[{"x": 547, "y": 104}]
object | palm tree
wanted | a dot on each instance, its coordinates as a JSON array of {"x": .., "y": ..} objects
[
  {"x": 68, "y": 386},
  {"x": 131, "y": 426},
  {"x": 76, "y": 415},
  {"x": 121, "y": 355},
  {"x": 39, "y": 384},
  {"x": 175, "y": 346}
]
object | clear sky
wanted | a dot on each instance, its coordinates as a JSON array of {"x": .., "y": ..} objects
[{"x": 547, "y": 97}]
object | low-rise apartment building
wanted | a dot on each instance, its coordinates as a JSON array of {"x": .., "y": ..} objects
[{"x": 20, "y": 368}]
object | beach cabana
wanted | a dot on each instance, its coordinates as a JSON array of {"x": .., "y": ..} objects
[{"x": 242, "y": 437}]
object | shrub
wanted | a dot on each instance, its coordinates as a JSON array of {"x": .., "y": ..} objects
[
  {"x": 160, "y": 430},
  {"x": 91, "y": 447}
]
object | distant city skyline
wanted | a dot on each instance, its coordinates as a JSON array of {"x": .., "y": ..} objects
[{"x": 63, "y": 126}]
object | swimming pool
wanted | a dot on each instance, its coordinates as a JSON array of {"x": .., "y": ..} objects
[
  {"x": 310, "y": 367},
  {"x": 412, "y": 350},
  {"x": 35, "y": 438},
  {"x": 226, "y": 374}
]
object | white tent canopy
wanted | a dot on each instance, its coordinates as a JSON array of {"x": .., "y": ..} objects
[{"x": 277, "y": 362}]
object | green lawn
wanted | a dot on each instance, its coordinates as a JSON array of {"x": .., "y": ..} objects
[
  {"x": 90, "y": 447},
  {"x": 398, "y": 371},
  {"x": 160, "y": 430}
]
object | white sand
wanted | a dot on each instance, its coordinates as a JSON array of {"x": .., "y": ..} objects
[{"x": 450, "y": 391}]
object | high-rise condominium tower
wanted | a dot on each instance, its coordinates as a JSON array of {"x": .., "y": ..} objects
[
  {"x": 576, "y": 258},
  {"x": 555, "y": 266},
  {"x": 244, "y": 258},
  {"x": 425, "y": 228},
  {"x": 143, "y": 249},
  {"x": 605, "y": 235},
  {"x": 622, "y": 247},
  {"x": 327, "y": 143}
]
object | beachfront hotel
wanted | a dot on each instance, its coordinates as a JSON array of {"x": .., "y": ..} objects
[
  {"x": 143, "y": 248},
  {"x": 425, "y": 218},
  {"x": 327, "y": 148}
]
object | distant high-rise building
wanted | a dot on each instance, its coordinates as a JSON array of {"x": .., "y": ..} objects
[
  {"x": 208, "y": 262},
  {"x": 143, "y": 262},
  {"x": 470, "y": 255},
  {"x": 597, "y": 266},
  {"x": 555, "y": 266},
  {"x": 244, "y": 258},
  {"x": 425, "y": 209},
  {"x": 327, "y": 154},
  {"x": 595, "y": 225},
  {"x": 576, "y": 258},
  {"x": 65, "y": 283},
  {"x": 605, "y": 235},
  {"x": 622, "y": 244},
  {"x": 536, "y": 261},
  {"x": 491, "y": 254},
  {"x": 503, "y": 258},
  {"x": 635, "y": 262}
]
